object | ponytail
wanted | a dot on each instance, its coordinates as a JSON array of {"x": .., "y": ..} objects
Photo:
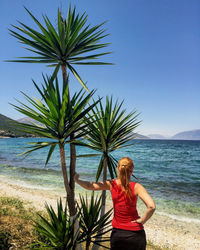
[{"x": 125, "y": 168}]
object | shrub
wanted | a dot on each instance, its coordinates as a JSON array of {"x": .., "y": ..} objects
[{"x": 4, "y": 240}]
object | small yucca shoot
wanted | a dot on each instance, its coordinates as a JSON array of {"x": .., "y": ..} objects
[
  {"x": 58, "y": 230},
  {"x": 92, "y": 225}
]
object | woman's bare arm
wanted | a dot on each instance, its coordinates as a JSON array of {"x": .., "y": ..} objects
[
  {"x": 103, "y": 185},
  {"x": 141, "y": 192}
]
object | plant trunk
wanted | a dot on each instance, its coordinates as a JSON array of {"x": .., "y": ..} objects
[
  {"x": 87, "y": 244},
  {"x": 64, "y": 74},
  {"x": 69, "y": 190},
  {"x": 74, "y": 220},
  {"x": 96, "y": 247},
  {"x": 71, "y": 194},
  {"x": 64, "y": 168},
  {"x": 104, "y": 191},
  {"x": 72, "y": 173}
]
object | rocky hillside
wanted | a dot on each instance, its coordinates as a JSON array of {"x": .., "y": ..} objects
[{"x": 9, "y": 129}]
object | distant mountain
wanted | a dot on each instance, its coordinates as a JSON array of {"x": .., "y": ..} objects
[
  {"x": 8, "y": 129},
  {"x": 143, "y": 137},
  {"x": 156, "y": 136},
  {"x": 187, "y": 135},
  {"x": 28, "y": 120},
  {"x": 25, "y": 120}
]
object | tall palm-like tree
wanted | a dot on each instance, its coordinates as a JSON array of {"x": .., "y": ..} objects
[
  {"x": 111, "y": 129},
  {"x": 58, "y": 117},
  {"x": 71, "y": 42}
]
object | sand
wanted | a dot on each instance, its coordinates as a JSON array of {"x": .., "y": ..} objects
[{"x": 161, "y": 229}]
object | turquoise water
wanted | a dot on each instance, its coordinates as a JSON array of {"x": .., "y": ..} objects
[{"x": 169, "y": 170}]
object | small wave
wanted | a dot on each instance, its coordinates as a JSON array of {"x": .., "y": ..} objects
[
  {"x": 30, "y": 169},
  {"x": 26, "y": 185},
  {"x": 2, "y": 158},
  {"x": 34, "y": 186},
  {"x": 180, "y": 218}
]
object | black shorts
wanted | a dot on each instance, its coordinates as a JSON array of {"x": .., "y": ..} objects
[{"x": 129, "y": 240}]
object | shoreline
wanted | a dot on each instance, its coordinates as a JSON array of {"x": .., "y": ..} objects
[
  {"x": 161, "y": 230},
  {"x": 143, "y": 139}
]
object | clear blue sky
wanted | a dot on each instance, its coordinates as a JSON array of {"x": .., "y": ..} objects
[{"x": 156, "y": 49}]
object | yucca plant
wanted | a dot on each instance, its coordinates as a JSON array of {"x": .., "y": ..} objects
[
  {"x": 71, "y": 42},
  {"x": 111, "y": 129},
  {"x": 92, "y": 225},
  {"x": 68, "y": 43},
  {"x": 58, "y": 117},
  {"x": 56, "y": 230}
]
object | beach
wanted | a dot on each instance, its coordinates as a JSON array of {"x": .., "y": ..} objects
[
  {"x": 169, "y": 170},
  {"x": 161, "y": 230}
]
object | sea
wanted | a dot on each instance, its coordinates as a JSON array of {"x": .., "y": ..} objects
[{"x": 168, "y": 169}]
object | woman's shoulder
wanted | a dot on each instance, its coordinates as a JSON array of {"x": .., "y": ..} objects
[
  {"x": 138, "y": 188},
  {"x": 135, "y": 186}
]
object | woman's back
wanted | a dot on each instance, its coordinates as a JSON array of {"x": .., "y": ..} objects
[
  {"x": 125, "y": 210},
  {"x": 127, "y": 232}
]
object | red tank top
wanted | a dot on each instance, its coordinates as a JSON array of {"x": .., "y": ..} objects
[{"x": 125, "y": 209}]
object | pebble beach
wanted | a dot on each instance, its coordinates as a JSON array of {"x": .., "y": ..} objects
[{"x": 161, "y": 230}]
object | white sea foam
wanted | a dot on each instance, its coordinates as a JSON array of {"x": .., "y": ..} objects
[
  {"x": 180, "y": 218},
  {"x": 24, "y": 184}
]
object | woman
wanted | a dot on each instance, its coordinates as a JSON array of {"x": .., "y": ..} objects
[{"x": 128, "y": 231}]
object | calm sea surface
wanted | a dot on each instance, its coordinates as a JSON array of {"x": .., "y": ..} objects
[{"x": 169, "y": 170}]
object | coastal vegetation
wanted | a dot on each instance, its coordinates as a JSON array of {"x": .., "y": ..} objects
[
  {"x": 67, "y": 119},
  {"x": 72, "y": 42},
  {"x": 17, "y": 228},
  {"x": 58, "y": 119},
  {"x": 58, "y": 230}
]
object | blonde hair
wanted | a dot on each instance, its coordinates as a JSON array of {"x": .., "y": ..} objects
[{"x": 125, "y": 169}]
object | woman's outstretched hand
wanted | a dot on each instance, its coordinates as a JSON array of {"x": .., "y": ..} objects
[{"x": 76, "y": 177}]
